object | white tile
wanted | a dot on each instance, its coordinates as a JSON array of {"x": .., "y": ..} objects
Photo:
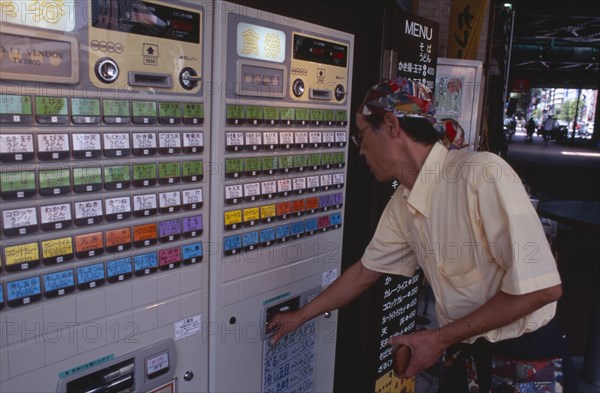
[
  {"x": 282, "y": 277},
  {"x": 248, "y": 287},
  {"x": 91, "y": 305},
  {"x": 145, "y": 291},
  {"x": 191, "y": 305},
  {"x": 119, "y": 298},
  {"x": 191, "y": 278},
  {"x": 60, "y": 344},
  {"x": 91, "y": 335},
  {"x": 266, "y": 282},
  {"x": 296, "y": 272},
  {"x": 146, "y": 319},
  {"x": 121, "y": 329},
  {"x": 4, "y": 365},
  {"x": 23, "y": 325},
  {"x": 169, "y": 312},
  {"x": 231, "y": 293},
  {"x": 169, "y": 284},
  {"x": 62, "y": 313},
  {"x": 26, "y": 357}
]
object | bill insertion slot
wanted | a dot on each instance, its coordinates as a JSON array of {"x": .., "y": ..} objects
[
  {"x": 150, "y": 80},
  {"x": 316, "y": 94}
]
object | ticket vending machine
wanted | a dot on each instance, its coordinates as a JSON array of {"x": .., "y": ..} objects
[
  {"x": 281, "y": 109},
  {"x": 105, "y": 133}
]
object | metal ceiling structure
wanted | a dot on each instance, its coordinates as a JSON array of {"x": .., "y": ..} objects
[{"x": 556, "y": 43}]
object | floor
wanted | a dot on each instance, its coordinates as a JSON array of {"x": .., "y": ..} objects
[{"x": 551, "y": 171}]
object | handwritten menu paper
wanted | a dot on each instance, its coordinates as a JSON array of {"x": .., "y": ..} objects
[{"x": 289, "y": 366}]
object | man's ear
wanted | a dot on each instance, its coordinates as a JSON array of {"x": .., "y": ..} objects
[{"x": 392, "y": 124}]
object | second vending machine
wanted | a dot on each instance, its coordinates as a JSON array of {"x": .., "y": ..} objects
[{"x": 281, "y": 112}]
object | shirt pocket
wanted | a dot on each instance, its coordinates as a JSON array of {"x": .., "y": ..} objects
[{"x": 460, "y": 276}]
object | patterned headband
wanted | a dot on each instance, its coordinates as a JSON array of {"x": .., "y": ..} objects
[{"x": 401, "y": 96}]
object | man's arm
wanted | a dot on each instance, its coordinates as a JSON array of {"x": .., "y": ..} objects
[
  {"x": 352, "y": 283},
  {"x": 500, "y": 310}
]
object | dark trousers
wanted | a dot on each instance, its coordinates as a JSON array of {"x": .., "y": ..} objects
[{"x": 546, "y": 342}]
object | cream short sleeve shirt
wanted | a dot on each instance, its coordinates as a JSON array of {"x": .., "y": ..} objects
[{"x": 469, "y": 224}]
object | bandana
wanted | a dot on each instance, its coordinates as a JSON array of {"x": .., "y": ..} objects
[
  {"x": 403, "y": 97},
  {"x": 454, "y": 135}
]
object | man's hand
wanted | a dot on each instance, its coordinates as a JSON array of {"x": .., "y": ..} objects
[
  {"x": 284, "y": 323},
  {"x": 426, "y": 349}
]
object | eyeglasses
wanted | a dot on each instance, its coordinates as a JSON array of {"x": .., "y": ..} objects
[{"x": 359, "y": 135}]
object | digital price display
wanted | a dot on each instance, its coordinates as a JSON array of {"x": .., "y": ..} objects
[
  {"x": 193, "y": 171},
  {"x": 17, "y": 185},
  {"x": 323, "y": 223},
  {"x": 89, "y": 245},
  {"x": 339, "y": 159},
  {"x": 288, "y": 116},
  {"x": 16, "y": 147},
  {"x": 191, "y": 253},
  {"x": 59, "y": 283},
  {"x": 145, "y": 264},
  {"x": 119, "y": 270},
  {"x": 192, "y": 226},
  {"x": 233, "y": 194},
  {"x": 116, "y": 111},
  {"x": 144, "y": 175},
  {"x": 169, "y": 231},
  {"x": 315, "y": 116},
  {"x": 338, "y": 180},
  {"x": 284, "y": 209},
  {"x": 326, "y": 182},
  {"x": 268, "y": 189},
  {"x": 117, "y": 240},
  {"x": 251, "y": 216},
  {"x": 85, "y": 110},
  {"x": 116, "y": 144},
  {"x": 337, "y": 200},
  {"x": 117, "y": 177},
  {"x": 169, "y": 172},
  {"x": 15, "y": 109},
  {"x": 143, "y": 112},
  {"x": 250, "y": 241},
  {"x": 283, "y": 233},
  {"x": 90, "y": 276},
  {"x": 21, "y": 257},
  {"x": 313, "y": 183},
  {"x": 19, "y": 221},
  {"x": 286, "y": 140},
  {"x": 157, "y": 365},
  {"x": 169, "y": 202},
  {"x": 169, "y": 142},
  {"x": 145, "y": 235},
  {"x": 54, "y": 182},
  {"x": 329, "y": 117},
  {"x": 300, "y": 163},
  {"x": 55, "y": 217},
  {"x": 314, "y": 161},
  {"x": 86, "y": 146},
  {"x": 254, "y": 115},
  {"x": 25, "y": 291},
  {"x": 325, "y": 202},
  {"x": 298, "y": 207},
  {"x": 57, "y": 251},
  {"x": 267, "y": 237},
  {"x": 117, "y": 209},
  {"x": 53, "y": 146},
  {"x": 328, "y": 139},
  {"x": 253, "y": 141},
  {"x": 284, "y": 187},
  {"x": 232, "y": 245},
  {"x": 233, "y": 219},
  {"x": 235, "y": 114},
  {"x": 88, "y": 212},
  {"x": 87, "y": 179},
  {"x": 51, "y": 110},
  {"x": 234, "y": 167},
  {"x": 315, "y": 139},
  {"x": 144, "y": 143},
  {"x": 169, "y": 258},
  {"x": 169, "y": 112},
  {"x": 145, "y": 205},
  {"x": 193, "y": 113},
  {"x": 271, "y": 115},
  {"x": 193, "y": 142}
]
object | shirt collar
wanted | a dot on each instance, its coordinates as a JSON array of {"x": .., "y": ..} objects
[{"x": 418, "y": 198}]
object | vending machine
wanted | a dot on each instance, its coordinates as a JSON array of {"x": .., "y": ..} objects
[
  {"x": 281, "y": 112},
  {"x": 105, "y": 136}
]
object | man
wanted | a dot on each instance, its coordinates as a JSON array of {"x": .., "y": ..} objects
[{"x": 500, "y": 282}]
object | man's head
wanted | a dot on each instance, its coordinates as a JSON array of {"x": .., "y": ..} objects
[{"x": 395, "y": 127}]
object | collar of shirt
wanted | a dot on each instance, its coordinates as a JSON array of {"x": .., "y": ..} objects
[{"x": 418, "y": 198}]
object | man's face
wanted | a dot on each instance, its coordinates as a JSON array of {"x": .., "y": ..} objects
[{"x": 374, "y": 147}]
